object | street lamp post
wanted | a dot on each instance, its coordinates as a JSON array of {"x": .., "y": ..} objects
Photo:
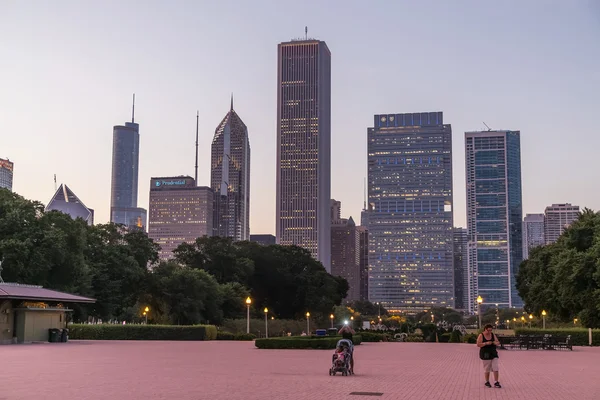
[
  {"x": 508, "y": 324},
  {"x": 479, "y": 303},
  {"x": 266, "y": 322},
  {"x": 331, "y": 317},
  {"x": 530, "y": 319},
  {"x": 544, "y": 319},
  {"x": 379, "y": 312},
  {"x": 575, "y": 321},
  {"x": 146, "y": 311},
  {"x": 432, "y": 317},
  {"x": 352, "y": 322},
  {"x": 248, "y": 302},
  {"x": 308, "y": 323},
  {"x": 522, "y": 321}
]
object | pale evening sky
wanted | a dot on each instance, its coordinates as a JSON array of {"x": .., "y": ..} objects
[{"x": 68, "y": 70}]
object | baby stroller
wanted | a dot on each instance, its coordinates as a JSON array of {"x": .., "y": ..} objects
[{"x": 341, "y": 359}]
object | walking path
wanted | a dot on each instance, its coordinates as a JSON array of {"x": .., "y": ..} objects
[{"x": 238, "y": 370}]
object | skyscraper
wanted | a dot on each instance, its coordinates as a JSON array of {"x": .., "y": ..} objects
[
  {"x": 461, "y": 269},
  {"x": 124, "y": 185},
  {"x": 533, "y": 233},
  {"x": 363, "y": 233},
  {"x": 180, "y": 212},
  {"x": 65, "y": 201},
  {"x": 230, "y": 178},
  {"x": 6, "y": 174},
  {"x": 410, "y": 217},
  {"x": 494, "y": 216},
  {"x": 345, "y": 256},
  {"x": 336, "y": 212},
  {"x": 557, "y": 218},
  {"x": 304, "y": 147}
]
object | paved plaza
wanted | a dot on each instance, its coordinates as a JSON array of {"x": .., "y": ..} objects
[{"x": 238, "y": 370}]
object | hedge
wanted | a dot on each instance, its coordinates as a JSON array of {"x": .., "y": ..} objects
[
  {"x": 303, "y": 342},
  {"x": 579, "y": 336},
  {"x": 374, "y": 337},
  {"x": 141, "y": 332},
  {"x": 225, "y": 336}
]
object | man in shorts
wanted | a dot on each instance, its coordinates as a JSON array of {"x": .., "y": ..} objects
[{"x": 487, "y": 343}]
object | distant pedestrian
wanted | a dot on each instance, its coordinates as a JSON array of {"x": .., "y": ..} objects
[{"x": 488, "y": 352}]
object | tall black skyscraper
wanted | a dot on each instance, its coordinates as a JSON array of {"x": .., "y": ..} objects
[
  {"x": 230, "y": 178},
  {"x": 304, "y": 147},
  {"x": 124, "y": 186}
]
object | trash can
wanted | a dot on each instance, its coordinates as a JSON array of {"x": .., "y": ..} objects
[
  {"x": 64, "y": 337},
  {"x": 53, "y": 335}
]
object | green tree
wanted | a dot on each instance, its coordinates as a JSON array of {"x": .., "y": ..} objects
[{"x": 564, "y": 278}]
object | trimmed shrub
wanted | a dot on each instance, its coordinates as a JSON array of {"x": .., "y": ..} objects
[
  {"x": 470, "y": 338},
  {"x": 445, "y": 337},
  {"x": 579, "y": 336},
  {"x": 371, "y": 336},
  {"x": 225, "y": 336},
  {"x": 302, "y": 342},
  {"x": 455, "y": 337},
  {"x": 141, "y": 332},
  {"x": 414, "y": 338},
  {"x": 245, "y": 336}
]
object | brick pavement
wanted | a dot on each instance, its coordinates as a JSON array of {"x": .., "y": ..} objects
[{"x": 237, "y": 370}]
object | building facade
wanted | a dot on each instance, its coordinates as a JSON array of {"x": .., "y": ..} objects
[
  {"x": 304, "y": 147},
  {"x": 410, "y": 212},
  {"x": 65, "y": 201},
  {"x": 346, "y": 256},
  {"x": 533, "y": 233},
  {"x": 557, "y": 218},
  {"x": 230, "y": 178},
  {"x": 336, "y": 212},
  {"x": 6, "y": 174},
  {"x": 180, "y": 212},
  {"x": 494, "y": 216},
  {"x": 265, "y": 239},
  {"x": 461, "y": 269},
  {"x": 124, "y": 182},
  {"x": 363, "y": 234}
]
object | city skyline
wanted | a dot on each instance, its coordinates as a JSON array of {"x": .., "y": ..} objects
[{"x": 541, "y": 81}]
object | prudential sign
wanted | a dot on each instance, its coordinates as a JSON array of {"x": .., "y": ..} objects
[{"x": 170, "y": 183}]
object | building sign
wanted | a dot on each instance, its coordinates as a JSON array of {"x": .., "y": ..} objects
[
  {"x": 6, "y": 165},
  {"x": 171, "y": 183}
]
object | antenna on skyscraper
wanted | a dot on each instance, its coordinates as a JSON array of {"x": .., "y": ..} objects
[
  {"x": 55, "y": 188},
  {"x": 133, "y": 110},
  {"x": 196, "y": 167},
  {"x": 306, "y": 32}
]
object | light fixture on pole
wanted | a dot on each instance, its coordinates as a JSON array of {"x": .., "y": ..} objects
[
  {"x": 146, "y": 311},
  {"x": 522, "y": 321},
  {"x": 575, "y": 321},
  {"x": 479, "y": 303},
  {"x": 266, "y": 322},
  {"x": 530, "y": 319},
  {"x": 379, "y": 312},
  {"x": 331, "y": 317},
  {"x": 508, "y": 324},
  {"x": 248, "y": 302},
  {"x": 308, "y": 323},
  {"x": 432, "y": 317},
  {"x": 544, "y": 319}
]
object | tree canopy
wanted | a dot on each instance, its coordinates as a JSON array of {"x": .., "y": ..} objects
[
  {"x": 207, "y": 281},
  {"x": 563, "y": 278}
]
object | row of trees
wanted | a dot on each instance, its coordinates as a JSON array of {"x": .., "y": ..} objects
[
  {"x": 207, "y": 281},
  {"x": 564, "y": 278}
]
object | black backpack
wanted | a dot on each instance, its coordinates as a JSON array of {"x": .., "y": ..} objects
[{"x": 488, "y": 352}]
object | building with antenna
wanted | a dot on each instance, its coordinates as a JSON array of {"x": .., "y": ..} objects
[
  {"x": 66, "y": 202},
  {"x": 494, "y": 217},
  {"x": 6, "y": 174},
  {"x": 124, "y": 183},
  {"x": 304, "y": 147},
  {"x": 230, "y": 177}
]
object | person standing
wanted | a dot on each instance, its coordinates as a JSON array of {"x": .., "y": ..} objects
[
  {"x": 488, "y": 352},
  {"x": 347, "y": 333}
]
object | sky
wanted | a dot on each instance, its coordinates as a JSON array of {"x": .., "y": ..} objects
[{"x": 68, "y": 70}]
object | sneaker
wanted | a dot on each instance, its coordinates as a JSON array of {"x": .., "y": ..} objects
[
  {"x": 497, "y": 384},
  {"x": 488, "y": 384}
]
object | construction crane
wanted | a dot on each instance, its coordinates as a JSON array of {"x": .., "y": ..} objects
[{"x": 486, "y": 125}]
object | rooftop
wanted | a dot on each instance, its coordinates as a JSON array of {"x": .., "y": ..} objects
[{"x": 32, "y": 292}]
